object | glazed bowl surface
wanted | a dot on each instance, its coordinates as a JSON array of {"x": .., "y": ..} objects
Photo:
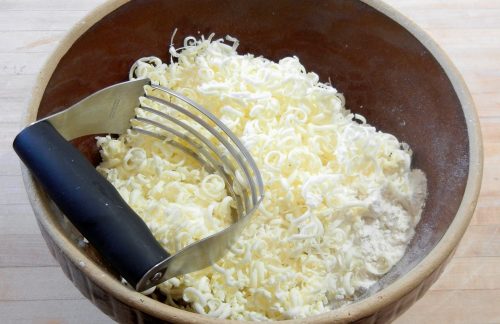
[{"x": 387, "y": 68}]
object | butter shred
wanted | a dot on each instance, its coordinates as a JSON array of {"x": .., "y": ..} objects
[{"x": 341, "y": 202}]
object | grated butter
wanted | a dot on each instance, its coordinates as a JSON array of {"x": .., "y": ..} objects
[{"x": 341, "y": 200}]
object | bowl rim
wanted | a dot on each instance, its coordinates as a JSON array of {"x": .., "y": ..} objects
[{"x": 355, "y": 311}]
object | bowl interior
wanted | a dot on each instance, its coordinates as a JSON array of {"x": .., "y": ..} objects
[{"x": 385, "y": 73}]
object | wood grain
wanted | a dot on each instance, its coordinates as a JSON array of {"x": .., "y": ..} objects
[
  {"x": 468, "y": 291},
  {"x": 33, "y": 288}
]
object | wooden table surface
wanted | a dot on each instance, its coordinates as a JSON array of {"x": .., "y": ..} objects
[{"x": 32, "y": 286}]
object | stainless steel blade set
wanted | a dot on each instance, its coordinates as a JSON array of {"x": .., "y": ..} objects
[
  {"x": 108, "y": 223},
  {"x": 191, "y": 128}
]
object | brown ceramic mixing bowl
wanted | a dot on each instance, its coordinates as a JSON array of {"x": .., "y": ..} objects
[{"x": 388, "y": 69}]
